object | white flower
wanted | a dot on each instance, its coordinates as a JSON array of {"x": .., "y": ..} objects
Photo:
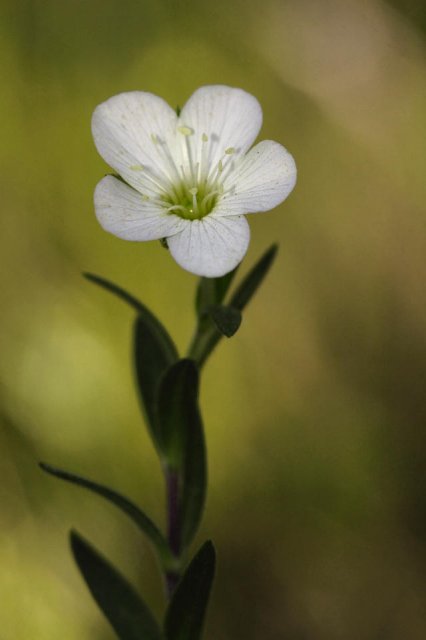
[{"x": 188, "y": 178}]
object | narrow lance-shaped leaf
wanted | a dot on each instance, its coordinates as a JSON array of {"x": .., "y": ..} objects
[
  {"x": 152, "y": 357},
  {"x": 186, "y": 612},
  {"x": 154, "y": 350},
  {"x": 253, "y": 279},
  {"x": 123, "y": 607},
  {"x": 142, "y": 521},
  {"x": 182, "y": 439},
  {"x": 178, "y": 394},
  {"x": 194, "y": 487}
]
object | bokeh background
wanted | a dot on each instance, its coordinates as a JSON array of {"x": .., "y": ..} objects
[{"x": 315, "y": 411}]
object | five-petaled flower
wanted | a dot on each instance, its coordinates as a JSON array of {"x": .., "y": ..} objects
[{"x": 188, "y": 178}]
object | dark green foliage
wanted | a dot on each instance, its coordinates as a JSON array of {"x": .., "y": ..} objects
[
  {"x": 182, "y": 441},
  {"x": 154, "y": 351},
  {"x": 125, "y": 610},
  {"x": 253, "y": 279},
  {"x": 185, "y": 614},
  {"x": 212, "y": 291},
  {"x": 227, "y": 319},
  {"x": 216, "y": 319},
  {"x": 144, "y": 523},
  {"x": 152, "y": 356}
]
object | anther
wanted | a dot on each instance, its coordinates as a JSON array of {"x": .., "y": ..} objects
[
  {"x": 137, "y": 167},
  {"x": 185, "y": 131},
  {"x": 154, "y": 138},
  {"x": 205, "y": 137},
  {"x": 229, "y": 151}
]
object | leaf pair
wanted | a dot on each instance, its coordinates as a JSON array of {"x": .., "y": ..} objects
[{"x": 126, "y": 611}]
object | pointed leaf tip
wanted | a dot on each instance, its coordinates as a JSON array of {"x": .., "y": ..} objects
[
  {"x": 142, "y": 521},
  {"x": 227, "y": 319},
  {"x": 254, "y": 278},
  {"x": 186, "y": 612},
  {"x": 122, "y": 606}
]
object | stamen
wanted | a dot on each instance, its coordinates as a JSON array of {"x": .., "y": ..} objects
[
  {"x": 185, "y": 131},
  {"x": 136, "y": 167},
  {"x": 193, "y": 173},
  {"x": 207, "y": 198},
  {"x": 229, "y": 151},
  {"x": 172, "y": 177},
  {"x": 203, "y": 165},
  {"x": 155, "y": 180},
  {"x": 178, "y": 207}
]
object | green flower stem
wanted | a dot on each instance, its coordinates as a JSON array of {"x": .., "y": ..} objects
[{"x": 204, "y": 341}]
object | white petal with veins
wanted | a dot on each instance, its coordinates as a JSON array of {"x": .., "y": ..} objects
[
  {"x": 135, "y": 133},
  {"x": 124, "y": 212},
  {"x": 211, "y": 246},
  {"x": 229, "y": 118},
  {"x": 264, "y": 177}
]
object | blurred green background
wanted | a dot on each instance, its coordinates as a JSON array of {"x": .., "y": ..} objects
[{"x": 315, "y": 411}]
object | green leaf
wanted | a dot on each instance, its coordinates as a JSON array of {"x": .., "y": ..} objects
[
  {"x": 253, "y": 279},
  {"x": 132, "y": 301},
  {"x": 177, "y": 408},
  {"x": 182, "y": 441},
  {"x": 226, "y": 318},
  {"x": 153, "y": 355},
  {"x": 154, "y": 350},
  {"x": 125, "y": 610},
  {"x": 194, "y": 481},
  {"x": 144, "y": 523},
  {"x": 185, "y": 614},
  {"x": 210, "y": 331},
  {"x": 212, "y": 291}
]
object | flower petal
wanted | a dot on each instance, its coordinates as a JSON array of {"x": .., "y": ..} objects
[
  {"x": 221, "y": 118},
  {"x": 211, "y": 246},
  {"x": 260, "y": 181},
  {"x": 123, "y": 211},
  {"x": 135, "y": 133}
]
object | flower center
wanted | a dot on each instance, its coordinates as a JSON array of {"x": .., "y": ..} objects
[
  {"x": 191, "y": 203},
  {"x": 190, "y": 184}
]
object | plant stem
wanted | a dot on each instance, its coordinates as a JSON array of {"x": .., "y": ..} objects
[{"x": 203, "y": 342}]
